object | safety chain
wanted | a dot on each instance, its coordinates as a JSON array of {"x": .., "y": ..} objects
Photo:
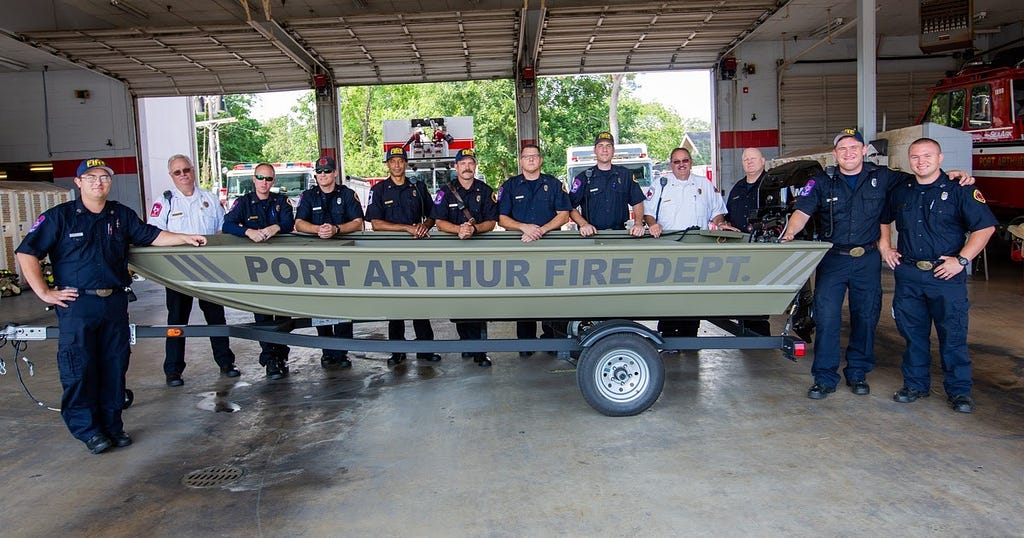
[{"x": 20, "y": 346}]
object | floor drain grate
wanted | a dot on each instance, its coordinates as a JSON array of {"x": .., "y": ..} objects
[{"x": 211, "y": 477}]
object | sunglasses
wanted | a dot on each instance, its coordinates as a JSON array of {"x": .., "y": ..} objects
[
  {"x": 263, "y": 178},
  {"x": 680, "y": 161},
  {"x": 182, "y": 171},
  {"x": 325, "y": 170}
]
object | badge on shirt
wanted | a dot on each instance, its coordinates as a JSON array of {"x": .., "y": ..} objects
[
  {"x": 699, "y": 191},
  {"x": 944, "y": 195},
  {"x": 545, "y": 187},
  {"x": 439, "y": 199},
  {"x": 337, "y": 201},
  {"x": 38, "y": 222},
  {"x": 206, "y": 204},
  {"x": 157, "y": 208},
  {"x": 874, "y": 182}
]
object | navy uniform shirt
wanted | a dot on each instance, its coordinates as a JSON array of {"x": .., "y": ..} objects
[
  {"x": 743, "y": 201},
  {"x": 478, "y": 199},
  {"x": 408, "y": 203},
  {"x": 533, "y": 201},
  {"x": 605, "y": 196},
  {"x": 249, "y": 212},
  {"x": 848, "y": 216},
  {"x": 932, "y": 219},
  {"x": 88, "y": 250},
  {"x": 336, "y": 207}
]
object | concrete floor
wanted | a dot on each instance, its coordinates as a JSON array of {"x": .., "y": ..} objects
[{"x": 733, "y": 447}]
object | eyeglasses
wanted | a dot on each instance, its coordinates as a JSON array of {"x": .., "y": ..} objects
[
  {"x": 324, "y": 170},
  {"x": 263, "y": 178},
  {"x": 530, "y": 157},
  {"x": 91, "y": 179},
  {"x": 680, "y": 161},
  {"x": 183, "y": 171}
]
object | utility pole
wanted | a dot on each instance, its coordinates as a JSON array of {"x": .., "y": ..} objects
[{"x": 212, "y": 127}]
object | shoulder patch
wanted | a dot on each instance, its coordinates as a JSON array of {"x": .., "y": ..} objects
[
  {"x": 38, "y": 222},
  {"x": 369, "y": 198},
  {"x": 978, "y": 196},
  {"x": 439, "y": 198},
  {"x": 807, "y": 188},
  {"x": 501, "y": 189},
  {"x": 576, "y": 183},
  {"x": 494, "y": 197},
  {"x": 157, "y": 208},
  {"x": 650, "y": 193},
  {"x": 564, "y": 188},
  {"x": 355, "y": 195}
]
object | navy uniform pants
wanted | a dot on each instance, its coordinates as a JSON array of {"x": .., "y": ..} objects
[
  {"x": 92, "y": 357},
  {"x": 422, "y": 328},
  {"x": 862, "y": 277},
  {"x": 340, "y": 330},
  {"x": 919, "y": 301},
  {"x": 270, "y": 351},
  {"x": 179, "y": 308}
]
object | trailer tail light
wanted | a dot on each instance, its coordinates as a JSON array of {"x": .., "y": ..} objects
[
  {"x": 174, "y": 333},
  {"x": 799, "y": 349}
]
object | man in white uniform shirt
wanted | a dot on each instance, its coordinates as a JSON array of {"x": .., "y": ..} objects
[
  {"x": 188, "y": 209},
  {"x": 683, "y": 200},
  {"x": 677, "y": 202}
]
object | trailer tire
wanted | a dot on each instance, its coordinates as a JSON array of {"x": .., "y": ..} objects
[
  {"x": 129, "y": 397},
  {"x": 621, "y": 375}
]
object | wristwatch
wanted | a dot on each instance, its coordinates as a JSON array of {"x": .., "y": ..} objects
[{"x": 963, "y": 261}]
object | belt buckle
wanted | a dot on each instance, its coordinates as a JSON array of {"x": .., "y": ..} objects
[
  {"x": 925, "y": 265},
  {"x": 104, "y": 292},
  {"x": 856, "y": 252}
]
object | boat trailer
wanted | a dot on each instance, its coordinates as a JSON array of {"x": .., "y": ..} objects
[{"x": 619, "y": 369}]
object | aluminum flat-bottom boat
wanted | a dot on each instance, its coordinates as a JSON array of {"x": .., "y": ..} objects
[{"x": 378, "y": 276}]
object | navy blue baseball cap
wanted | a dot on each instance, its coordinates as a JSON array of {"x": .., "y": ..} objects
[
  {"x": 93, "y": 163},
  {"x": 848, "y": 133},
  {"x": 467, "y": 153},
  {"x": 397, "y": 151},
  {"x": 604, "y": 136}
]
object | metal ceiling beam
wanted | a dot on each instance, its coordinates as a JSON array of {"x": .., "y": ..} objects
[{"x": 284, "y": 42}]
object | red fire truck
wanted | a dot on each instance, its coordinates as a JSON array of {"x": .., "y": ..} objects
[{"x": 988, "y": 102}]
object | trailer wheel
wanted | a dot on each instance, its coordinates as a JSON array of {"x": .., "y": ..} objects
[
  {"x": 129, "y": 397},
  {"x": 620, "y": 375}
]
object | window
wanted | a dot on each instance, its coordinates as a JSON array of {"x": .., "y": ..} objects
[
  {"x": 947, "y": 109},
  {"x": 981, "y": 107}
]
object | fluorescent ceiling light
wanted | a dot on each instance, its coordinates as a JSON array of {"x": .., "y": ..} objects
[
  {"x": 45, "y": 167},
  {"x": 828, "y": 27},
  {"x": 129, "y": 9}
]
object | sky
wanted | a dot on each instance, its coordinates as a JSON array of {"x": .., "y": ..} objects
[{"x": 688, "y": 92}]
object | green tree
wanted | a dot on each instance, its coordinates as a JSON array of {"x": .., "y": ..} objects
[
  {"x": 240, "y": 142},
  {"x": 293, "y": 137}
]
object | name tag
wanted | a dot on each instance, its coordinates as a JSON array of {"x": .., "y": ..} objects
[
  {"x": 594, "y": 190},
  {"x": 388, "y": 202},
  {"x": 178, "y": 214},
  {"x": 76, "y": 234},
  {"x": 453, "y": 205},
  {"x": 317, "y": 208},
  {"x": 520, "y": 197},
  {"x": 254, "y": 217}
]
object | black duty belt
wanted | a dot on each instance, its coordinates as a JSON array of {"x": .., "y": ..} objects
[
  {"x": 99, "y": 292},
  {"x": 854, "y": 251},
  {"x": 924, "y": 265}
]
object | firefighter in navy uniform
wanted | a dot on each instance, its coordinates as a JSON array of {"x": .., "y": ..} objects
[
  {"x": 329, "y": 210},
  {"x": 260, "y": 215},
  {"x": 532, "y": 203},
  {"x": 848, "y": 202},
  {"x": 399, "y": 204},
  {"x": 602, "y": 195},
  {"x": 932, "y": 215},
  {"x": 189, "y": 209},
  {"x": 466, "y": 207},
  {"x": 87, "y": 241}
]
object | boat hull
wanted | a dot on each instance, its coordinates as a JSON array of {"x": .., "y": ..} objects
[{"x": 377, "y": 276}]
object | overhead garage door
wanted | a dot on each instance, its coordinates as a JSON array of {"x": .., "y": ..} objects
[{"x": 816, "y": 107}]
